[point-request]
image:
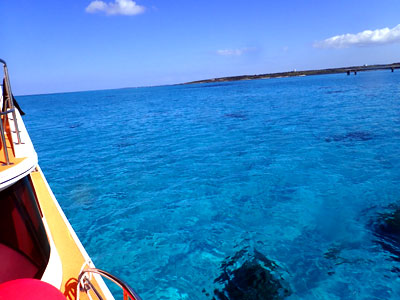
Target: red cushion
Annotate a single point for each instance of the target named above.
(14, 265)
(29, 289)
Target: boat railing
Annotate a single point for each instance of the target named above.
(7, 107)
(85, 285)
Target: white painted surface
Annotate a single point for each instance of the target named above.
(25, 149)
(53, 272)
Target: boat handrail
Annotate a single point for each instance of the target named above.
(84, 284)
(8, 108)
(7, 112)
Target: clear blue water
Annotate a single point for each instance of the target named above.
(162, 184)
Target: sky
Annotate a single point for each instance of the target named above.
(61, 46)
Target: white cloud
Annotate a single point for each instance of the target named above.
(233, 52)
(118, 7)
(364, 38)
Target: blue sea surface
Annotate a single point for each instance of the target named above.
(164, 185)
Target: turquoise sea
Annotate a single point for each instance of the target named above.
(284, 188)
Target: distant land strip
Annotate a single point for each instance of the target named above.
(348, 70)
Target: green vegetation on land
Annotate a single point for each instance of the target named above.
(348, 70)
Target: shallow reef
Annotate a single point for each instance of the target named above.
(75, 125)
(386, 227)
(353, 136)
(250, 276)
(335, 92)
(236, 115)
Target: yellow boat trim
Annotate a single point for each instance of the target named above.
(71, 257)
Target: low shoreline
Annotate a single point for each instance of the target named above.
(347, 70)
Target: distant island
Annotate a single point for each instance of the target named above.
(347, 70)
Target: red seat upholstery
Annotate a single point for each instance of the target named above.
(29, 289)
(14, 265)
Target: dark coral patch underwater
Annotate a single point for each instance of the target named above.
(75, 125)
(250, 276)
(352, 136)
(236, 115)
(386, 228)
